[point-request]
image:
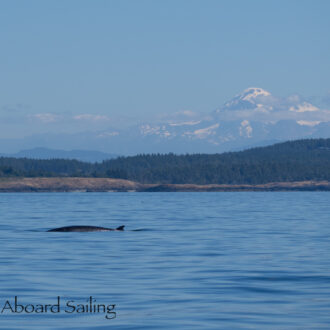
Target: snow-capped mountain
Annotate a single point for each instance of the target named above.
(253, 117)
(259, 100)
(250, 98)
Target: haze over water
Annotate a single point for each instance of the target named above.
(199, 260)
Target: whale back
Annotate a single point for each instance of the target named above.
(84, 229)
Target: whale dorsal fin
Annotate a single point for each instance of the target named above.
(120, 228)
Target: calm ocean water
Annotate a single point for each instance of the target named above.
(186, 260)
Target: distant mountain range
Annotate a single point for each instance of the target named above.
(252, 118)
(45, 153)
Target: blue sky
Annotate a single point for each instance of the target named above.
(141, 58)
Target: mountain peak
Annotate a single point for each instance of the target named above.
(252, 92)
(247, 99)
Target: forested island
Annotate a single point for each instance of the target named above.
(293, 165)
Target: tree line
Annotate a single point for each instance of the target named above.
(289, 161)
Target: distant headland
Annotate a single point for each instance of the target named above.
(293, 165)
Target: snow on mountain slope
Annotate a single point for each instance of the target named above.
(303, 107)
(250, 98)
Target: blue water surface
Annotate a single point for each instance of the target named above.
(197, 260)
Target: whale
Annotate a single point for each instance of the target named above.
(85, 229)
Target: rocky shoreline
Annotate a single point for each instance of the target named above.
(74, 184)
